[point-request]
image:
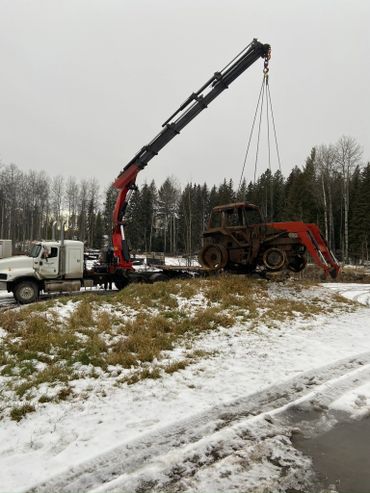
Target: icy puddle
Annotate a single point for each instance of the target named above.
(341, 456)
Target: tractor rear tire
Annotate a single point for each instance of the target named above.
(26, 292)
(213, 257)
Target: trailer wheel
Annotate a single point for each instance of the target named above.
(158, 277)
(213, 257)
(274, 259)
(26, 292)
(121, 282)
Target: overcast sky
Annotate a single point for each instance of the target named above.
(85, 83)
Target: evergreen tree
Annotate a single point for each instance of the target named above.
(98, 238)
(359, 215)
(278, 196)
(140, 219)
(168, 196)
(111, 194)
(226, 194)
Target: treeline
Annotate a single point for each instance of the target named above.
(31, 201)
(332, 189)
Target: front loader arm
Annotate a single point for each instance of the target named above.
(316, 245)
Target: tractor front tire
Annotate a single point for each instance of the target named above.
(297, 263)
(274, 259)
(26, 292)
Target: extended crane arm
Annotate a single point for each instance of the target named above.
(193, 105)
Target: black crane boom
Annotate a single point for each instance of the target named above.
(199, 100)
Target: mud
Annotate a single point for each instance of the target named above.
(341, 456)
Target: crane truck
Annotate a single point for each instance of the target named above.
(237, 238)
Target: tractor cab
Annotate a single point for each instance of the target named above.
(240, 214)
(233, 236)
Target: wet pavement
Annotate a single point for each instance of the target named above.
(341, 456)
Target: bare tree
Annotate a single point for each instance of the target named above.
(56, 198)
(82, 209)
(92, 209)
(325, 161)
(71, 204)
(348, 154)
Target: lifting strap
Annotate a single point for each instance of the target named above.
(264, 94)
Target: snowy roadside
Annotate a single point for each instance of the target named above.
(59, 437)
(352, 291)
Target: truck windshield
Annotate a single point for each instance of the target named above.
(35, 251)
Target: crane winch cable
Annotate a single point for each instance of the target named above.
(251, 134)
(273, 125)
(269, 155)
(264, 91)
(259, 132)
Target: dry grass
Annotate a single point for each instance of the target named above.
(18, 412)
(41, 349)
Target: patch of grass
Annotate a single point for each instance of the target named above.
(188, 289)
(46, 398)
(17, 413)
(145, 373)
(104, 322)
(24, 387)
(279, 310)
(139, 296)
(199, 353)
(345, 301)
(92, 351)
(146, 338)
(64, 393)
(176, 366)
(94, 337)
(9, 370)
(52, 375)
(118, 355)
(210, 318)
(9, 321)
(82, 316)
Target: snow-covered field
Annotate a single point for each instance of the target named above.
(221, 424)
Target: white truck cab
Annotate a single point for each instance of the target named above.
(49, 266)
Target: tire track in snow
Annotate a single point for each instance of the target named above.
(179, 470)
(348, 290)
(131, 458)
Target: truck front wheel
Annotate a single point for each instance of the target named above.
(26, 292)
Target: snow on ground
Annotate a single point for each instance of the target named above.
(59, 438)
(355, 292)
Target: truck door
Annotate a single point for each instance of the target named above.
(49, 263)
